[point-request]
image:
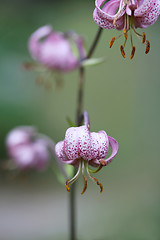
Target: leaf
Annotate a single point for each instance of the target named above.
(93, 61)
(70, 122)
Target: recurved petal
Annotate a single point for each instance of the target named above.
(33, 43)
(105, 13)
(114, 146)
(59, 150)
(147, 13)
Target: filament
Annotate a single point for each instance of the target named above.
(84, 178)
(95, 180)
(69, 182)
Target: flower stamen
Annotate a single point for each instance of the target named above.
(84, 177)
(133, 52)
(85, 184)
(95, 180)
(122, 51)
(143, 37)
(69, 182)
(111, 42)
(147, 47)
(67, 185)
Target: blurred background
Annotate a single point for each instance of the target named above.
(122, 98)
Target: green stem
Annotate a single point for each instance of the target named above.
(79, 122)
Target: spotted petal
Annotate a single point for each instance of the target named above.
(104, 16)
(99, 145)
(114, 147)
(59, 150)
(147, 13)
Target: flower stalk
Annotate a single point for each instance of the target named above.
(78, 122)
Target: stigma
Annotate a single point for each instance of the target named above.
(83, 165)
(129, 28)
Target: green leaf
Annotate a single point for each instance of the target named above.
(93, 61)
(70, 122)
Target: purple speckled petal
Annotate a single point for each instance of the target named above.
(84, 143)
(147, 13)
(33, 43)
(59, 150)
(99, 145)
(114, 146)
(104, 17)
(71, 143)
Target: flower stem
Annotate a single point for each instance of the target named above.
(79, 122)
(94, 44)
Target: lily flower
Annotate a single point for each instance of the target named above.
(55, 50)
(82, 148)
(26, 150)
(127, 15)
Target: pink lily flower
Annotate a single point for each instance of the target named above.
(82, 148)
(55, 50)
(26, 150)
(127, 15)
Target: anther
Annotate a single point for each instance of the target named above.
(143, 37)
(125, 33)
(99, 184)
(133, 52)
(111, 42)
(122, 51)
(85, 184)
(67, 185)
(147, 47)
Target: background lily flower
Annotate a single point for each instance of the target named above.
(127, 15)
(26, 150)
(82, 148)
(55, 50)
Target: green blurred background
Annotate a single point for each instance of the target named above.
(121, 96)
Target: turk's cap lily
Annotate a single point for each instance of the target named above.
(27, 150)
(57, 51)
(127, 15)
(82, 148)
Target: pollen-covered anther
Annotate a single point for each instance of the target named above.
(133, 52)
(99, 184)
(111, 42)
(67, 185)
(122, 51)
(85, 184)
(125, 33)
(143, 37)
(147, 47)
